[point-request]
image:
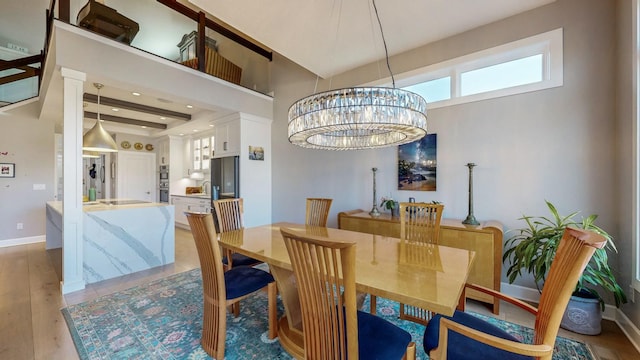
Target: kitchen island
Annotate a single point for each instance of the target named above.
(120, 236)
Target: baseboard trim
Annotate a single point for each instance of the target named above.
(628, 328)
(23, 241)
(532, 295)
(610, 312)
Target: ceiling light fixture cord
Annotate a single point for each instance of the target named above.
(384, 42)
(98, 86)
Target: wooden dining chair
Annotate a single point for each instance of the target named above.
(229, 214)
(332, 327)
(222, 289)
(464, 336)
(419, 225)
(317, 211)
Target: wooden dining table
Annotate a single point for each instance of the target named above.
(428, 276)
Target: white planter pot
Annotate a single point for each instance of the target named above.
(583, 316)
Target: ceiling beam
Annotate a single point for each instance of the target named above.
(27, 73)
(123, 120)
(10, 64)
(121, 104)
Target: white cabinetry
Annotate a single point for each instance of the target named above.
(164, 152)
(240, 131)
(201, 153)
(189, 203)
(227, 138)
(180, 207)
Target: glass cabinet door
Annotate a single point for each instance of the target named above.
(196, 155)
(206, 151)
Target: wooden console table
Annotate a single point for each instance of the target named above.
(485, 239)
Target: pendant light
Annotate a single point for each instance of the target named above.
(358, 117)
(90, 154)
(98, 139)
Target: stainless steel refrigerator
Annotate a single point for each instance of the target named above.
(225, 178)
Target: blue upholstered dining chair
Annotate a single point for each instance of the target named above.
(222, 289)
(465, 336)
(332, 327)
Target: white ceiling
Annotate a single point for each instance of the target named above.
(328, 37)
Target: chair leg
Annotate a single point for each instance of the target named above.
(235, 309)
(373, 301)
(272, 291)
(411, 352)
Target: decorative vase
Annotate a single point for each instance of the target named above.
(395, 210)
(583, 315)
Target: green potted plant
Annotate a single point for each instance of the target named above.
(390, 204)
(533, 248)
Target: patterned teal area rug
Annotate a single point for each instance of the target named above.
(162, 320)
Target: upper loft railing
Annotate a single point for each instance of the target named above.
(165, 28)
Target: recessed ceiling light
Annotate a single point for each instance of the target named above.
(115, 109)
(181, 134)
(135, 93)
(195, 130)
(163, 118)
(211, 125)
(144, 127)
(189, 106)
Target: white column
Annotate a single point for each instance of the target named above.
(72, 244)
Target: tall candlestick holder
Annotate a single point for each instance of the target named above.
(374, 211)
(471, 219)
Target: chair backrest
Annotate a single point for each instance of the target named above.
(574, 252)
(215, 317)
(317, 211)
(329, 331)
(229, 214)
(420, 222)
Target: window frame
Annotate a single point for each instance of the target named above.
(635, 227)
(549, 44)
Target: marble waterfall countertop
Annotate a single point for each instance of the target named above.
(197, 196)
(121, 236)
(108, 204)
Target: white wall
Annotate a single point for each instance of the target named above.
(29, 143)
(624, 154)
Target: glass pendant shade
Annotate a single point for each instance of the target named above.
(97, 138)
(358, 118)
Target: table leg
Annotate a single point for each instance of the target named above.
(290, 325)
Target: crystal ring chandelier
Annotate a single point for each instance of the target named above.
(358, 117)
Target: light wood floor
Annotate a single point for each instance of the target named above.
(32, 326)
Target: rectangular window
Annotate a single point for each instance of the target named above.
(433, 90)
(530, 64)
(508, 74)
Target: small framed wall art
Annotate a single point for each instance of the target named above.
(7, 170)
(417, 164)
(256, 153)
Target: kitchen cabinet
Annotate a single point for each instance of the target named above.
(189, 203)
(164, 152)
(187, 158)
(227, 138)
(201, 153)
